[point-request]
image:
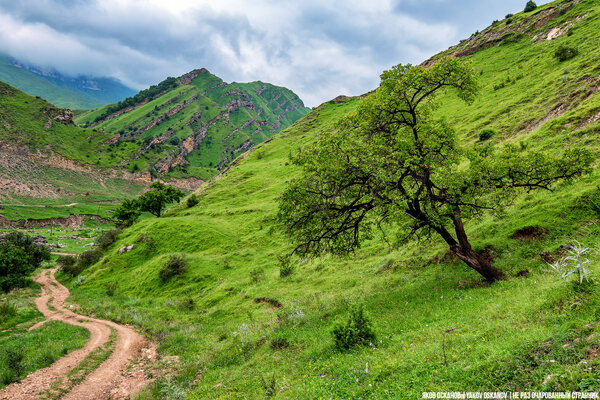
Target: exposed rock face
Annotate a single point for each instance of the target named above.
(72, 221)
(186, 79)
(65, 116)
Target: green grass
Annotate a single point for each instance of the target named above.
(535, 332)
(24, 352)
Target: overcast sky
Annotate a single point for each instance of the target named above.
(317, 48)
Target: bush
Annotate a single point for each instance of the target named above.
(257, 275)
(19, 257)
(89, 258)
(107, 238)
(175, 266)
(486, 134)
(564, 53)
(111, 288)
(66, 262)
(192, 201)
(7, 309)
(356, 331)
(530, 6)
(285, 266)
(14, 365)
(279, 342)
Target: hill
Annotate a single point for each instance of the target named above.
(45, 160)
(240, 330)
(194, 126)
(77, 93)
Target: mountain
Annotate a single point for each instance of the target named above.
(240, 330)
(45, 159)
(77, 93)
(194, 126)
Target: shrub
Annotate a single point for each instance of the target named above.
(285, 266)
(357, 330)
(88, 258)
(149, 245)
(257, 275)
(509, 16)
(192, 201)
(564, 53)
(111, 288)
(66, 262)
(7, 309)
(486, 134)
(14, 365)
(19, 257)
(279, 342)
(175, 266)
(107, 238)
(530, 6)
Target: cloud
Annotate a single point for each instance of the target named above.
(317, 48)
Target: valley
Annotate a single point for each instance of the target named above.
(215, 285)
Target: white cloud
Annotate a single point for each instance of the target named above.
(317, 48)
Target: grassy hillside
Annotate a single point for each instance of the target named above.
(194, 126)
(46, 160)
(81, 93)
(242, 331)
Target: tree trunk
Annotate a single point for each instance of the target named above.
(475, 261)
(465, 252)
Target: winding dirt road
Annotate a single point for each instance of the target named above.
(115, 378)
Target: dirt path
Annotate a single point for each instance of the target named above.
(113, 379)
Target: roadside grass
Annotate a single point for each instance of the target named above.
(24, 352)
(17, 309)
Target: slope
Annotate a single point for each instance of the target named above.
(242, 331)
(193, 127)
(45, 160)
(78, 93)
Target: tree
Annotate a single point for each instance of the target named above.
(128, 212)
(19, 257)
(393, 162)
(156, 200)
(530, 6)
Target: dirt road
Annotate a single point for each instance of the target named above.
(115, 378)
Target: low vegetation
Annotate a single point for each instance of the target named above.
(19, 257)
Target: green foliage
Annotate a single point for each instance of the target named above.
(13, 358)
(394, 163)
(157, 199)
(530, 6)
(128, 212)
(564, 53)
(486, 134)
(176, 265)
(286, 268)
(110, 288)
(107, 238)
(192, 201)
(66, 261)
(88, 258)
(356, 330)
(19, 257)
(7, 309)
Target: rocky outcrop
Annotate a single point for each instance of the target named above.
(64, 116)
(72, 221)
(186, 79)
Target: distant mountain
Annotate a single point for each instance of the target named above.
(193, 126)
(77, 93)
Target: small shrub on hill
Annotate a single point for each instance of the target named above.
(286, 268)
(486, 134)
(107, 238)
(110, 288)
(357, 330)
(530, 6)
(66, 262)
(88, 258)
(257, 275)
(564, 53)
(175, 266)
(192, 201)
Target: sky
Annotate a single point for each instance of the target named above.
(317, 48)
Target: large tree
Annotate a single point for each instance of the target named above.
(156, 200)
(393, 161)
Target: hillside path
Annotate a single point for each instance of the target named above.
(113, 379)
